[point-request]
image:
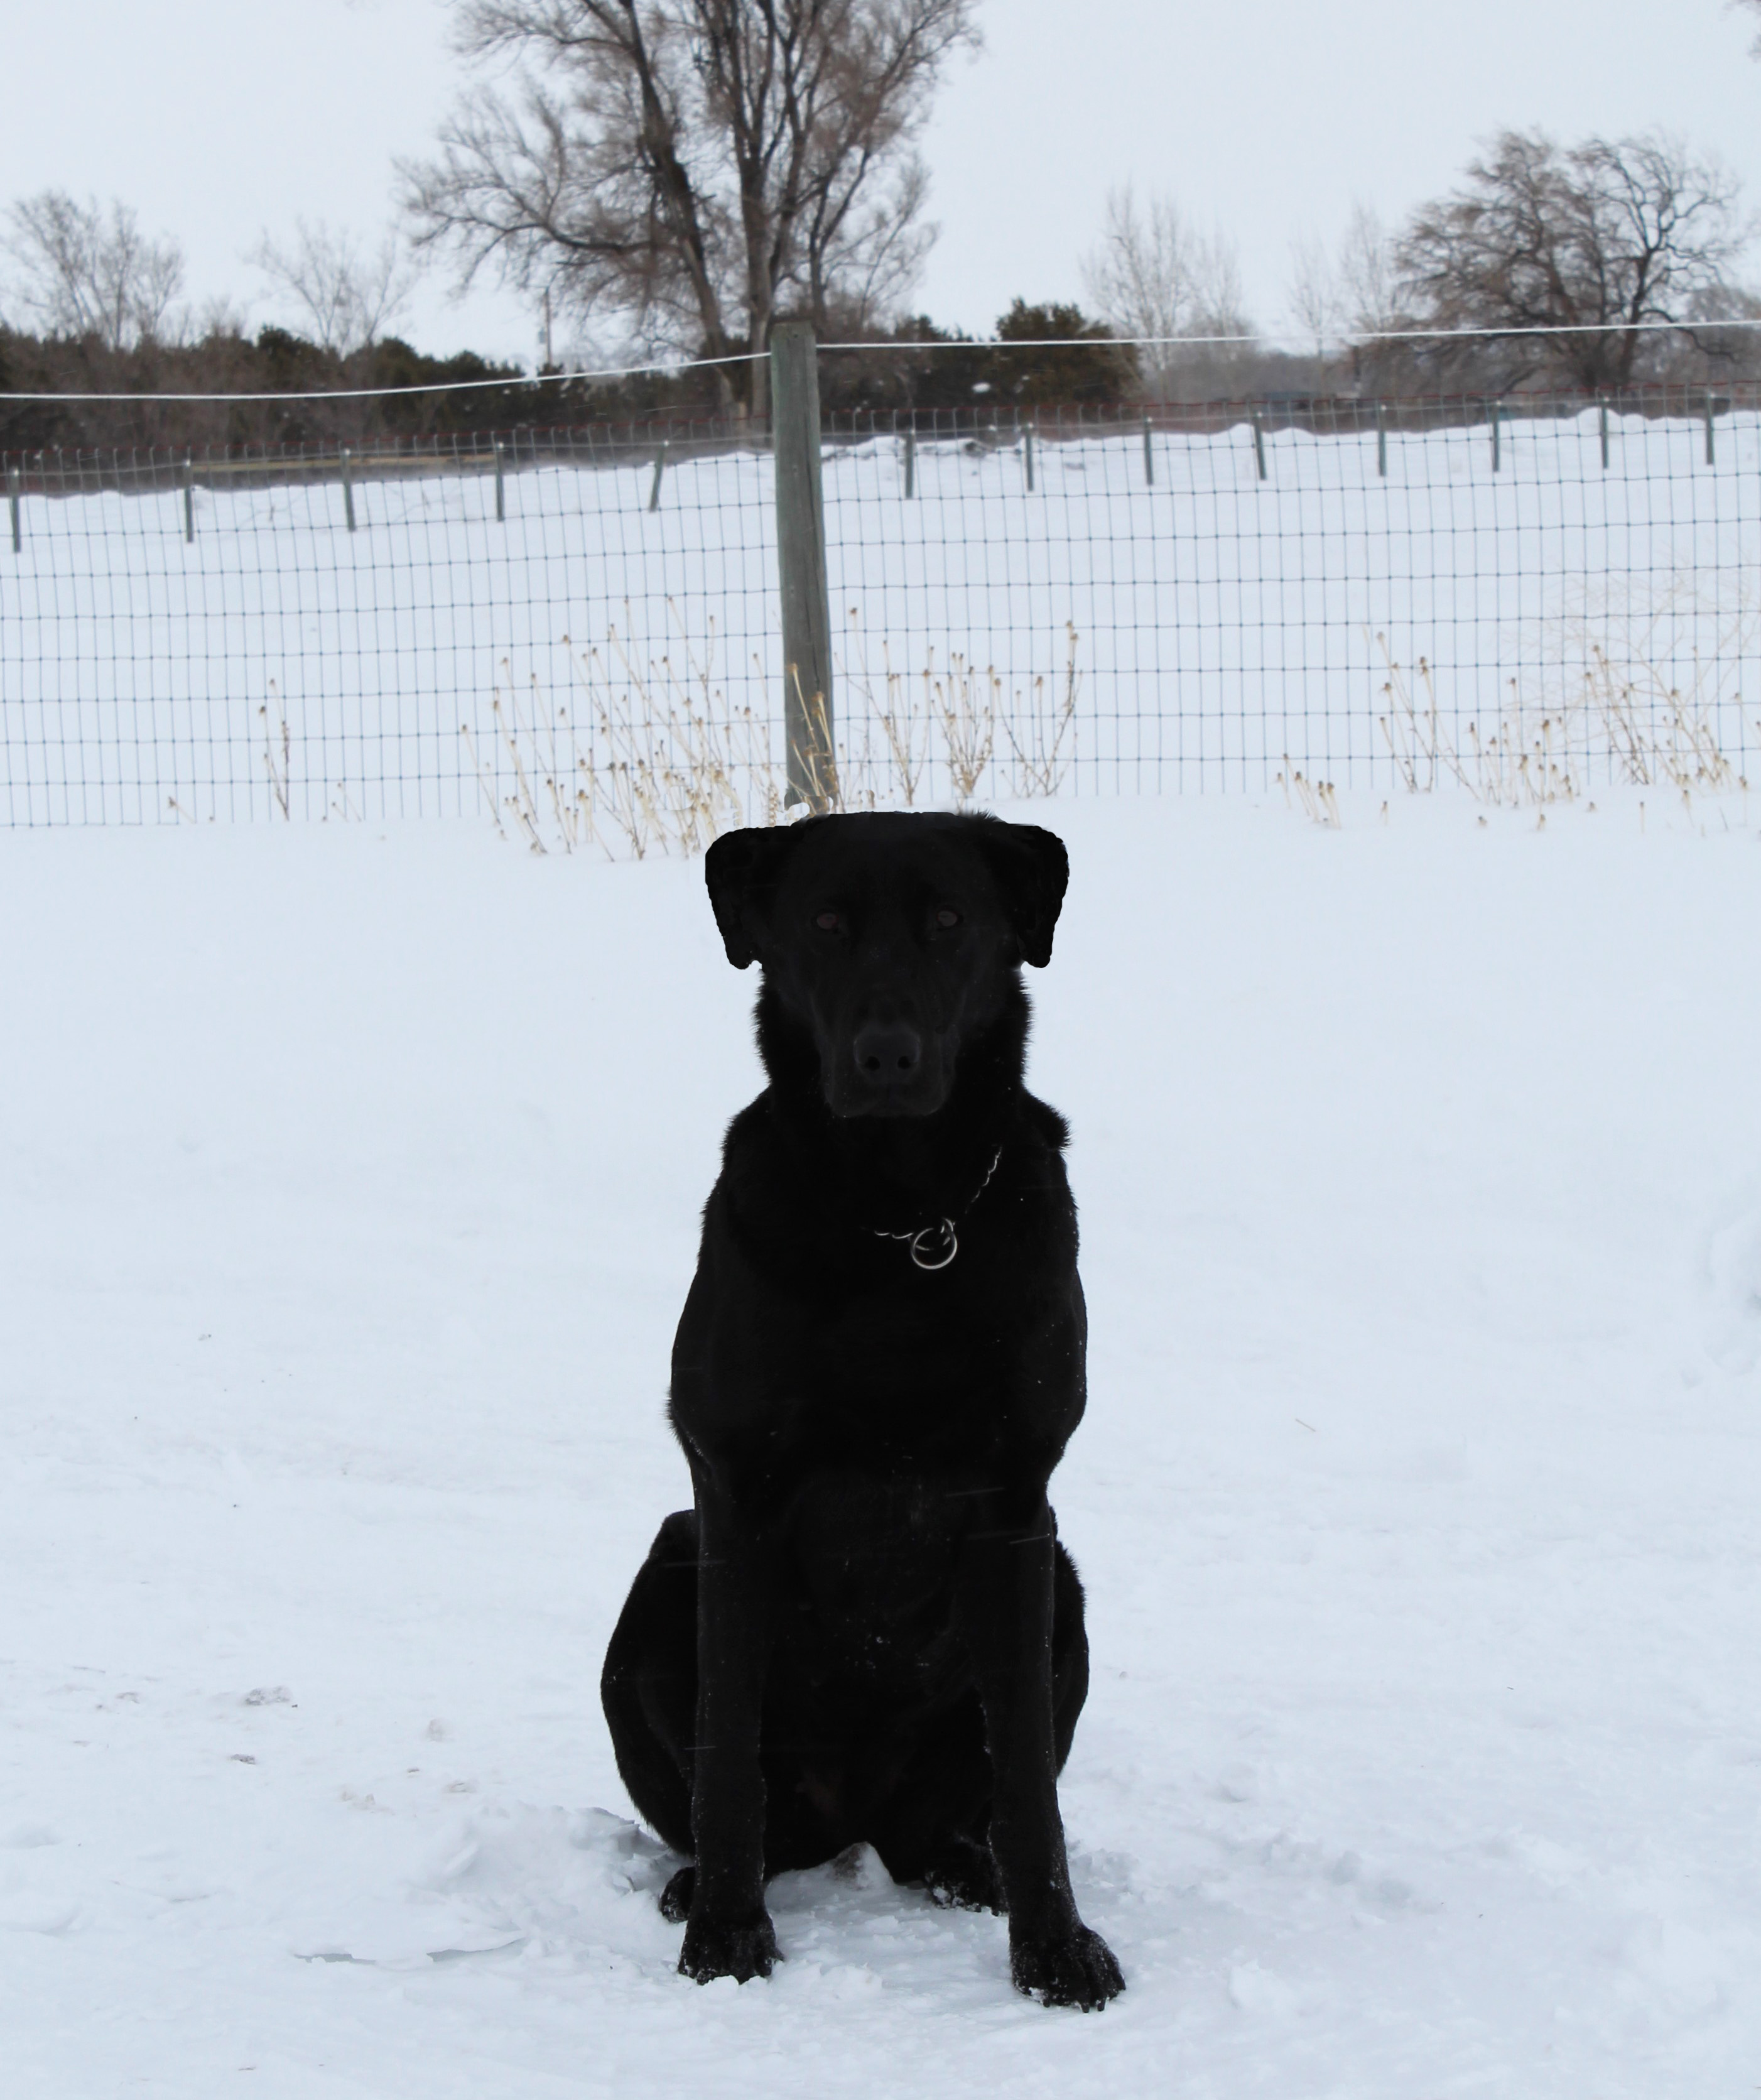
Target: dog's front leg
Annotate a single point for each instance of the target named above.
(729, 1932)
(1004, 1599)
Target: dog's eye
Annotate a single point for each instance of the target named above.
(827, 922)
(947, 916)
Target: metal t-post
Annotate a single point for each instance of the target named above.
(806, 706)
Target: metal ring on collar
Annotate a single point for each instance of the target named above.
(942, 1231)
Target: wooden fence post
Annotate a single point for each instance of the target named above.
(806, 706)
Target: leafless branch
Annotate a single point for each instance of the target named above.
(1156, 279)
(79, 269)
(687, 171)
(1605, 235)
(345, 297)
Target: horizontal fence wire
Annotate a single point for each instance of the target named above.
(1191, 597)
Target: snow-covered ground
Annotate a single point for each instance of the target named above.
(348, 1195)
(1226, 627)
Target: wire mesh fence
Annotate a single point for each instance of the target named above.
(579, 632)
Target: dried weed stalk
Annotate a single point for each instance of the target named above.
(1523, 762)
(1658, 734)
(654, 761)
(816, 760)
(278, 751)
(1319, 802)
(1036, 736)
(1627, 719)
(897, 747)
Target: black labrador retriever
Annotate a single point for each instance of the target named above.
(866, 1629)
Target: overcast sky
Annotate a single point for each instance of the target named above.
(216, 120)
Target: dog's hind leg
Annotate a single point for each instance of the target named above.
(649, 1685)
(935, 1832)
(930, 1831)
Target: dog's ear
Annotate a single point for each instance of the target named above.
(741, 870)
(1031, 870)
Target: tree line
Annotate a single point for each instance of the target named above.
(671, 178)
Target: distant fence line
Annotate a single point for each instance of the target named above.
(581, 629)
(71, 470)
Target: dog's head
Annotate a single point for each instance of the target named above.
(894, 941)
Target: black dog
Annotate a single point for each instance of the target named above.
(867, 1629)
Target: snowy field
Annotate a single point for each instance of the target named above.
(1226, 627)
(348, 1196)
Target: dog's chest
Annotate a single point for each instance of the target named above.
(896, 1386)
(873, 1554)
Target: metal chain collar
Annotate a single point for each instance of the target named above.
(927, 1242)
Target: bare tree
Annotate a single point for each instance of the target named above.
(689, 170)
(1603, 236)
(345, 297)
(80, 271)
(1347, 298)
(1366, 287)
(1141, 275)
(1220, 306)
(1157, 281)
(1313, 294)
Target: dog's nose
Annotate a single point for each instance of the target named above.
(888, 1051)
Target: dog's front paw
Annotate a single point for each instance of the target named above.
(741, 1951)
(1078, 1970)
(676, 1898)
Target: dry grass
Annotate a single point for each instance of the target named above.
(1524, 760)
(1622, 633)
(645, 762)
(1316, 799)
(278, 751)
(959, 726)
(278, 763)
(1658, 734)
(1607, 702)
(652, 759)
